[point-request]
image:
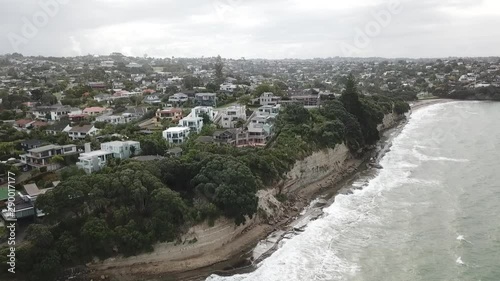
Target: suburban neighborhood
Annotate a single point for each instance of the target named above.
(87, 115)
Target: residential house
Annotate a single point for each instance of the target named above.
(206, 99)
(230, 137)
(97, 85)
(228, 87)
(53, 113)
(307, 100)
(199, 111)
(153, 99)
(103, 97)
(174, 152)
(122, 94)
(178, 98)
(107, 64)
(30, 144)
(176, 135)
(133, 114)
(194, 123)
(269, 98)
(118, 85)
(60, 127)
(269, 110)
(24, 123)
(122, 149)
(39, 124)
(133, 65)
(23, 208)
(77, 117)
(94, 111)
(93, 161)
(80, 132)
(172, 114)
(41, 157)
(231, 115)
(259, 130)
(33, 191)
(111, 119)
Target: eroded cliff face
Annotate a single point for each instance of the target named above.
(389, 121)
(307, 177)
(315, 167)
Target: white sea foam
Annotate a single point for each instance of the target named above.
(423, 157)
(461, 238)
(459, 261)
(316, 254)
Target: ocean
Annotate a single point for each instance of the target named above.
(432, 212)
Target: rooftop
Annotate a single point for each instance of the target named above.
(82, 129)
(206, 94)
(177, 129)
(58, 126)
(44, 148)
(191, 118)
(32, 189)
(95, 153)
(94, 109)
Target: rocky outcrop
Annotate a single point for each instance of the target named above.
(389, 121)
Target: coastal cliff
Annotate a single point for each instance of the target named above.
(205, 245)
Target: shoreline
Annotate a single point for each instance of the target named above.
(234, 257)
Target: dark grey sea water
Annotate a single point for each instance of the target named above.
(432, 213)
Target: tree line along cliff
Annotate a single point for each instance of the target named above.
(129, 206)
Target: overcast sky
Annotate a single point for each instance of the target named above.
(252, 28)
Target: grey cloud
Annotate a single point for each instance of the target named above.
(252, 28)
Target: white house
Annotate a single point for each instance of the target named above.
(228, 87)
(54, 113)
(469, 77)
(200, 110)
(176, 135)
(103, 97)
(111, 119)
(178, 98)
(269, 110)
(193, 123)
(133, 65)
(122, 149)
(80, 132)
(231, 115)
(269, 98)
(107, 64)
(93, 161)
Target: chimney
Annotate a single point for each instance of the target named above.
(87, 147)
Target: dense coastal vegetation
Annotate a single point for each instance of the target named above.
(129, 206)
(481, 93)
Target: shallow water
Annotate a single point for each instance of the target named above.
(432, 213)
